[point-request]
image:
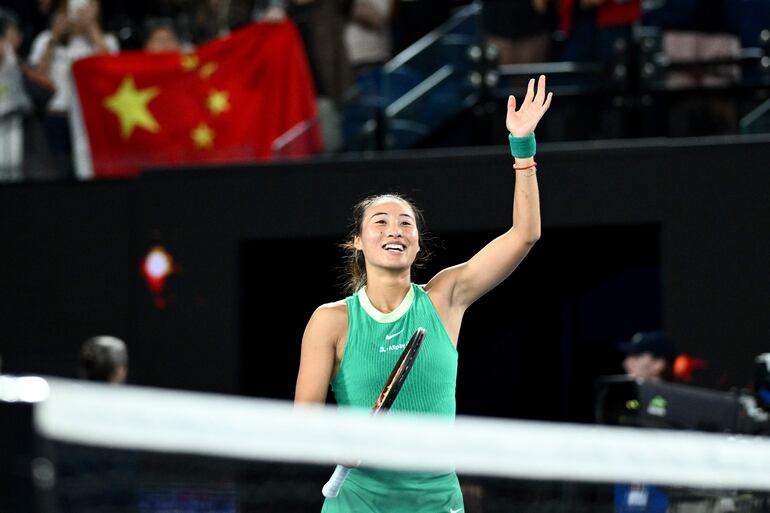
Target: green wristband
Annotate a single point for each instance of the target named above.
(523, 147)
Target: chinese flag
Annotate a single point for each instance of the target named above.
(246, 97)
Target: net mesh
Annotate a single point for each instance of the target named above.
(106, 448)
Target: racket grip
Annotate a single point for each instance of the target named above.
(332, 487)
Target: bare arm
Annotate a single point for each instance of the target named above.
(90, 13)
(318, 357)
(59, 28)
(467, 282)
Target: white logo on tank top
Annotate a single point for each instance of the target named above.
(392, 347)
(393, 335)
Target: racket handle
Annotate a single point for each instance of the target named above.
(332, 487)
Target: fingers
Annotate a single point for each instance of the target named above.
(511, 103)
(547, 102)
(540, 96)
(530, 91)
(534, 105)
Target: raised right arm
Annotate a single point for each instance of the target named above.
(325, 330)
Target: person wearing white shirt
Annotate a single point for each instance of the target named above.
(74, 34)
(14, 102)
(367, 34)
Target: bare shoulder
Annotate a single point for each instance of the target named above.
(329, 320)
(333, 310)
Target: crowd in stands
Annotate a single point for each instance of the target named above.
(40, 39)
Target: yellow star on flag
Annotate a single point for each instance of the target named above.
(130, 105)
(218, 102)
(208, 69)
(190, 61)
(203, 136)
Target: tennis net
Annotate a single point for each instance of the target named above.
(94, 448)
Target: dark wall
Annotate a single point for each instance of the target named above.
(69, 264)
(531, 348)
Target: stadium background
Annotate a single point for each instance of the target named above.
(637, 235)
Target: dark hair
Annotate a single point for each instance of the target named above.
(101, 356)
(8, 18)
(355, 263)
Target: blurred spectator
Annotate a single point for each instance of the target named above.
(104, 358)
(243, 12)
(700, 31)
(519, 29)
(75, 33)
(210, 20)
(369, 46)
(592, 27)
(649, 355)
(367, 34)
(321, 24)
(14, 103)
(33, 18)
(160, 36)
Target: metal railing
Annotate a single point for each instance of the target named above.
(450, 69)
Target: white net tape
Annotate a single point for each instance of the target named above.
(214, 425)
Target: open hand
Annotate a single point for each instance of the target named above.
(89, 14)
(521, 123)
(60, 26)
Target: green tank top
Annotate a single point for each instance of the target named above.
(374, 343)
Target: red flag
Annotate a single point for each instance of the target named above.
(248, 96)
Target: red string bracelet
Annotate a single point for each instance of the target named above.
(534, 164)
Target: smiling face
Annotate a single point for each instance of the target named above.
(389, 236)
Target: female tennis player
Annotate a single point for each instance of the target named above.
(353, 344)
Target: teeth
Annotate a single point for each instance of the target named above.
(394, 246)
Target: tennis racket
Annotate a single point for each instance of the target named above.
(389, 393)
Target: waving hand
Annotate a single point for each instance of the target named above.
(521, 123)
